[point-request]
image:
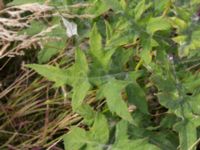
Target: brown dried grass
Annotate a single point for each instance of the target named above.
(33, 114)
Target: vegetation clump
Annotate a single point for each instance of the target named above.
(100, 74)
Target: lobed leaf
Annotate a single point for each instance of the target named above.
(112, 91)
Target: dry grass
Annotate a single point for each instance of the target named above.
(33, 114)
(14, 19)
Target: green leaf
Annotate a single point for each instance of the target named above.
(81, 84)
(109, 31)
(121, 131)
(180, 39)
(80, 90)
(165, 139)
(46, 54)
(114, 4)
(137, 96)
(50, 49)
(35, 28)
(81, 64)
(56, 39)
(195, 104)
(178, 23)
(195, 39)
(191, 44)
(164, 83)
(160, 6)
(168, 121)
(123, 4)
(183, 13)
(100, 56)
(87, 113)
(100, 131)
(187, 134)
(112, 91)
(96, 43)
(123, 142)
(120, 59)
(140, 8)
(75, 139)
(139, 144)
(95, 138)
(55, 44)
(195, 2)
(157, 24)
(146, 51)
(192, 82)
(123, 134)
(99, 7)
(52, 73)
